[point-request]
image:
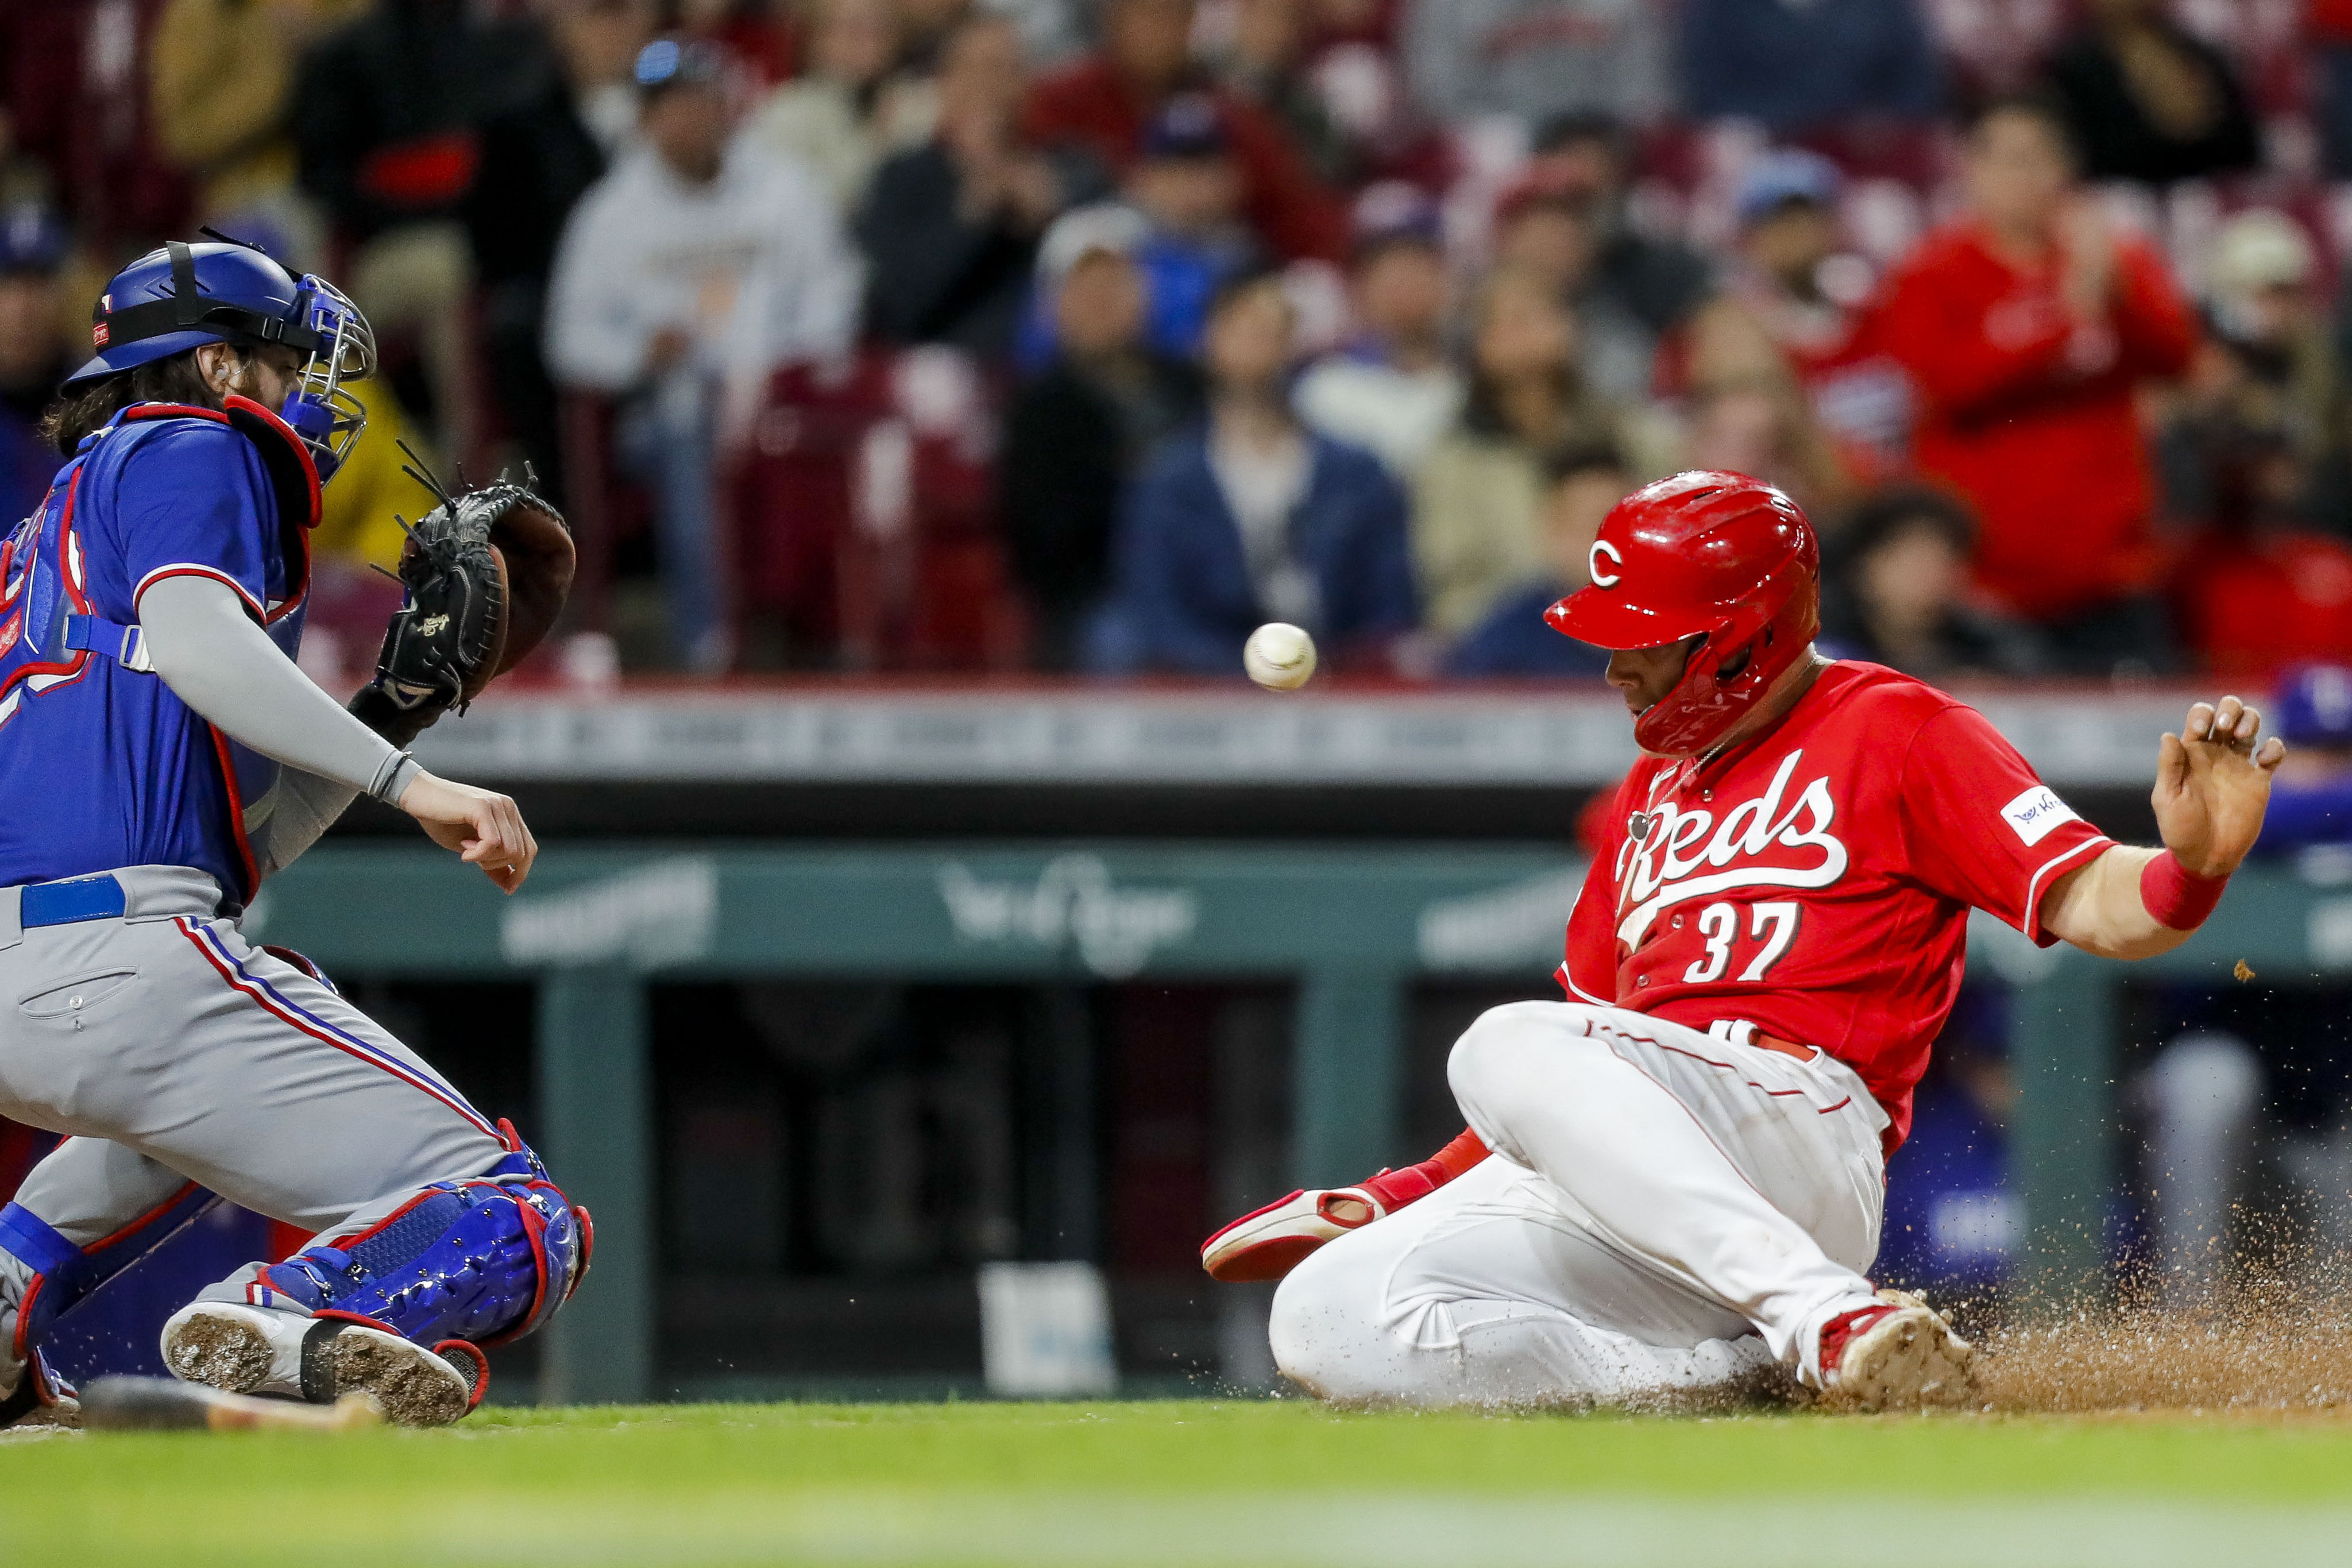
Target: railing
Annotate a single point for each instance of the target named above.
(1353, 927)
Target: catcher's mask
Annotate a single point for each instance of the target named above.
(227, 291)
(1721, 558)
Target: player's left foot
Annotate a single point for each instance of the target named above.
(252, 1349)
(1269, 1243)
(1900, 1354)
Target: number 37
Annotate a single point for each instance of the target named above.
(1774, 924)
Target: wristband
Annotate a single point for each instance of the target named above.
(2175, 897)
(399, 770)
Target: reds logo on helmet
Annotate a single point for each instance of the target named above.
(1720, 557)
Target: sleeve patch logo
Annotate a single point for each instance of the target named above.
(2036, 814)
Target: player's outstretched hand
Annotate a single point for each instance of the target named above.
(484, 828)
(2212, 784)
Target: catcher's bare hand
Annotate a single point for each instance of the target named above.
(484, 828)
(2212, 785)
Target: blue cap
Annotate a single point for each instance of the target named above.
(1777, 178)
(1189, 125)
(33, 239)
(2314, 706)
(673, 62)
(1393, 212)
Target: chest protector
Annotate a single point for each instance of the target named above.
(50, 628)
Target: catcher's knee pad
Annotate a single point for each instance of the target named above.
(485, 1260)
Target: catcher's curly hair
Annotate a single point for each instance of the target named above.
(83, 410)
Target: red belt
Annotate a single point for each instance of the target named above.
(1786, 1047)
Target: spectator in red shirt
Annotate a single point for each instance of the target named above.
(2256, 591)
(2026, 325)
(1104, 102)
(1792, 311)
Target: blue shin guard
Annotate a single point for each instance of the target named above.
(63, 1274)
(486, 1261)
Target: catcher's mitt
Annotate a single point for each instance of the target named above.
(486, 573)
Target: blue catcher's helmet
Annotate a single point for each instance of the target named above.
(172, 300)
(2313, 706)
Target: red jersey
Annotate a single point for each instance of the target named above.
(1815, 881)
(2032, 419)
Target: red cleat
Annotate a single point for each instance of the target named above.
(1269, 1243)
(1898, 1355)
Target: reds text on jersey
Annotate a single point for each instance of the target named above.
(1815, 881)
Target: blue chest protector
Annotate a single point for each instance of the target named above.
(124, 773)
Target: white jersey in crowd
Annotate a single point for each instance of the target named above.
(1396, 415)
(754, 266)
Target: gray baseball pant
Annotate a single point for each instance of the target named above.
(171, 1051)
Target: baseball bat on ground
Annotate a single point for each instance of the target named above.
(166, 1404)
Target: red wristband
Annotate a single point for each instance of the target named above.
(2175, 897)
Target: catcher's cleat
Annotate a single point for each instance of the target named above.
(40, 1398)
(1900, 1354)
(252, 1349)
(1269, 1243)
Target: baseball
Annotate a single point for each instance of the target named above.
(1279, 657)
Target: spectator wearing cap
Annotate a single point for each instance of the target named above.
(1814, 66)
(1532, 59)
(1477, 497)
(2150, 100)
(1077, 432)
(541, 154)
(2267, 371)
(849, 110)
(1107, 102)
(950, 228)
(687, 276)
(1587, 157)
(1778, 326)
(34, 354)
(1188, 183)
(1581, 485)
(1552, 232)
(1392, 389)
(1897, 594)
(1253, 519)
(2028, 325)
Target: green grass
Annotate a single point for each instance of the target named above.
(1185, 1482)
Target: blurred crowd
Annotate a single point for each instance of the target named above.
(1089, 334)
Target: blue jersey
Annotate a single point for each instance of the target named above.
(102, 765)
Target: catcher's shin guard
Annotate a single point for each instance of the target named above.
(485, 1260)
(62, 1274)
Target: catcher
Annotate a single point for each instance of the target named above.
(165, 756)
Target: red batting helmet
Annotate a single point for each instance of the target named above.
(1718, 556)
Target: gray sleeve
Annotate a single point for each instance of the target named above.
(289, 819)
(208, 651)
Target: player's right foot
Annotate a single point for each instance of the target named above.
(252, 1350)
(1900, 1354)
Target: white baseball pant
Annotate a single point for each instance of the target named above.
(1658, 1199)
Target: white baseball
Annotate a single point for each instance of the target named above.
(1279, 657)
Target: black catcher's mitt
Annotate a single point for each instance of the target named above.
(487, 572)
